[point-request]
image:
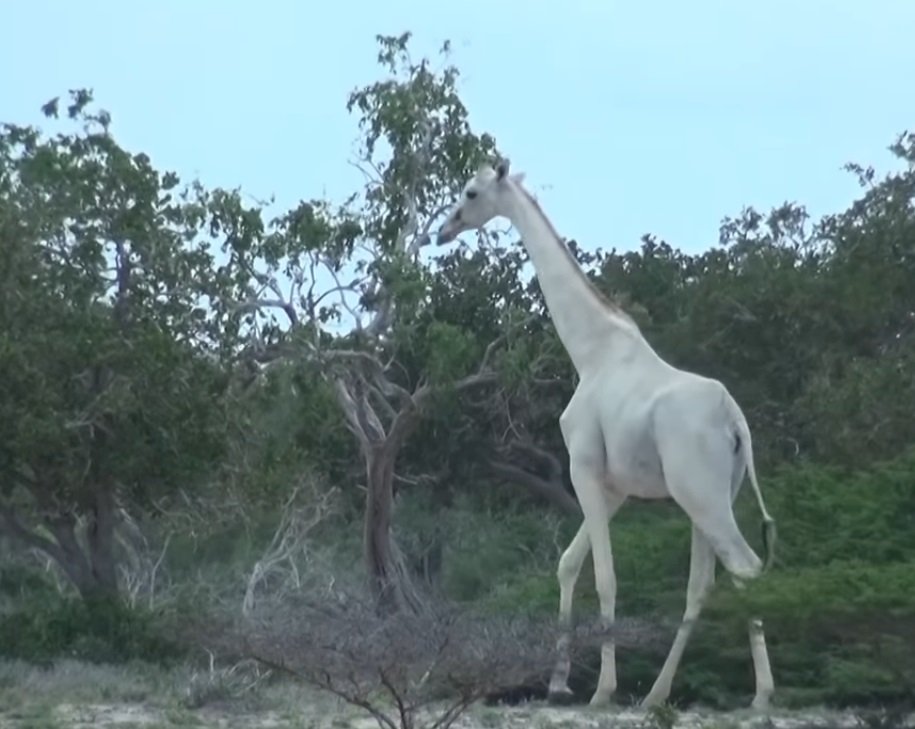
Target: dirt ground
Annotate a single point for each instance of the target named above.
(73, 695)
(122, 716)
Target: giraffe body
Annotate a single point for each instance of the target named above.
(635, 427)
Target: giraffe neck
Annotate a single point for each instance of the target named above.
(584, 320)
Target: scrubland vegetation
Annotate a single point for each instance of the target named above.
(242, 453)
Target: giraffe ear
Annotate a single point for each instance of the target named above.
(502, 168)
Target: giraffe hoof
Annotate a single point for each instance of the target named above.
(600, 699)
(560, 696)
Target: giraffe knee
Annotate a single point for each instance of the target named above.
(568, 568)
(572, 559)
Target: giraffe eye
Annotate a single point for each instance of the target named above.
(471, 194)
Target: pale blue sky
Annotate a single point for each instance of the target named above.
(628, 117)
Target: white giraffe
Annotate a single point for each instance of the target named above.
(635, 426)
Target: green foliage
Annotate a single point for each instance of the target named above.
(494, 557)
(110, 381)
(450, 351)
(663, 716)
(293, 429)
(98, 631)
(837, 606)
(827, 514)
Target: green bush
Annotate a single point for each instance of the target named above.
(489, 553)
(837, 607)
(98, 631)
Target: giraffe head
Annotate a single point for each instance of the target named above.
(481, 201)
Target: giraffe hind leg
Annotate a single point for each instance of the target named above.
(701, 580)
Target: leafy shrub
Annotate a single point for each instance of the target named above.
(837, 607)
(98, 631)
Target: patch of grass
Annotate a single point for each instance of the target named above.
(181, 716)
(32, 713)
(662, 716)
(47, 695)
(239, 684)
(44, 722)
(489, 717)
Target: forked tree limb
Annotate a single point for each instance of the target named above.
(552, 490)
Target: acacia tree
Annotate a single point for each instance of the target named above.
(361, 266)
(110, 374)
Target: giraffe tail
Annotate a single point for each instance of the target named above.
(769, 532)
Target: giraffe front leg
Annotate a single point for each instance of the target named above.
(567, 573)
(598, 506)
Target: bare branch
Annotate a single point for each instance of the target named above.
(256, 304)
(551, 490)
(380, 399)
(12, 526)
(350, 414)
(354, 354)
(289, 540)
(382, 319)
(341, 289)
(360, 417)
(549, 459)
(495, 343)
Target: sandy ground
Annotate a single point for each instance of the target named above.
(541, 717)
(123, 715)
(73, 695)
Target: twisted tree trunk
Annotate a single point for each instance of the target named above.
(92, 570)
(389, 579)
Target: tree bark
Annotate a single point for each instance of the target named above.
(100, 540)
(69, 555)
(92, 572)
(388, 577)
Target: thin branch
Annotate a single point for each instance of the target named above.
(381, 321)
(350, 414)
(257, 304)
(327, 683)
(13, 527)
(403, 710)
(380, 400)
(551, 490)
(552, 462)
(495, 343)
(341, 288)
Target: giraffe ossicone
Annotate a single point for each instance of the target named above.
(635, 427)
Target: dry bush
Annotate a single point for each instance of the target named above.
(405, 669)
(291, 548)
